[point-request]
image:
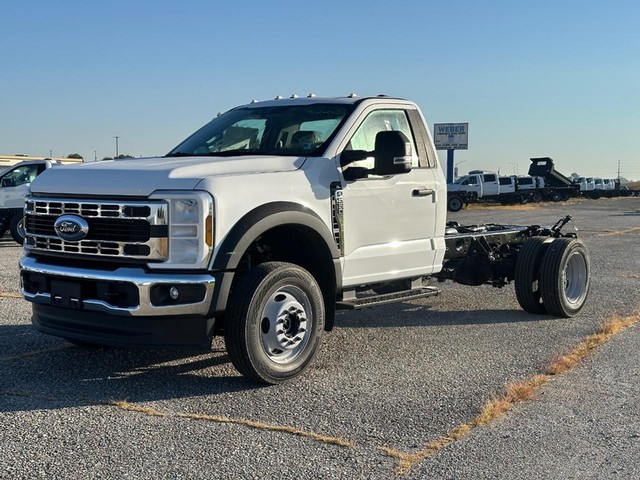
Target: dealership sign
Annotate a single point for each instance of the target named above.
(451, 136)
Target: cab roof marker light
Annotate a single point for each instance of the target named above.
(254, 101)
(294, 96)
(311, 95)
(279, 97)
(352, 95)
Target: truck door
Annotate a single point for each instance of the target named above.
(14, 184)
(390, 224)
(490, 184)
(472, 184)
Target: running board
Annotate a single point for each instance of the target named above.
(395, 297)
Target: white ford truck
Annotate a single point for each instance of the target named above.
(261, 225)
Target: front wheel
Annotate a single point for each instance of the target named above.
(454, 203)
(274, 323)
(564, 277)
(16, 227)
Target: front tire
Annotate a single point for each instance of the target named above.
(455, 204)
(564, 277)
(16, 227)
(274, 324)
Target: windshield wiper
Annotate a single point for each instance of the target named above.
(232, 153)
(226, 153)
(179, 154)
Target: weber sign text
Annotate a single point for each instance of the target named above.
(451, 136)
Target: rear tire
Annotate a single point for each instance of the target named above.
(564, 277)
(275, 321)
(537, 197)
(527, 281)
(17, 228)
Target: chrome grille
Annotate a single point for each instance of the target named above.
(116, 229)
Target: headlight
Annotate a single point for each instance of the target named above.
(190, 229)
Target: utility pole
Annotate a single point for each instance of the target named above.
(95, 155)
(618, 170)
(117, 153)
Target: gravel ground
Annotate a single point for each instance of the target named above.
(398, 376)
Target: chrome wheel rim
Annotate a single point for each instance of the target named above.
(286, 324)
(575, 278)
(20, 227)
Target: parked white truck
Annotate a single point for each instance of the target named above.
(485, 186)
(263, 223)
(14, 187)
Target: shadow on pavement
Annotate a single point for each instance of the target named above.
(408, 315)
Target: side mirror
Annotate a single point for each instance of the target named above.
(392, 154)
(355, 173)
(350, 156)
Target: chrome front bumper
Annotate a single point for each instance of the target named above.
(141, 279)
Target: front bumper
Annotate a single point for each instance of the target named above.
(138, 279)
(102, 317)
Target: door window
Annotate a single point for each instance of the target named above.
(381, 121)
(19, 176)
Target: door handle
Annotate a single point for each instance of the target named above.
(422, 192)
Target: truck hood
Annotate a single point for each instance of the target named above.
(142, 176)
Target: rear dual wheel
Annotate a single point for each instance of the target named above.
(552, 276)
(564, 277)
(527, 278)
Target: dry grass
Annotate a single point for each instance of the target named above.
(10, 295)
(494, 206)
(131, 407)
(124, 405)
(630, 275)
(516, 392)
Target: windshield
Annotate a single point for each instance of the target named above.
(290, 130)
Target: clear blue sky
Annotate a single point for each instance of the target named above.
(544, 78)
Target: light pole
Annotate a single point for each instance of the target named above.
(516, 167)
(455, 170)
(117, 153)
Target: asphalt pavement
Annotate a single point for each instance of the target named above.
(396, 376)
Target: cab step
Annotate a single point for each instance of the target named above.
(395, 297)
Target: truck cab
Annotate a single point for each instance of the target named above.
(483, 184)
(598, 184)
(585, 184)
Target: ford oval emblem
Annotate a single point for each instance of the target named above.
(71, 227)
